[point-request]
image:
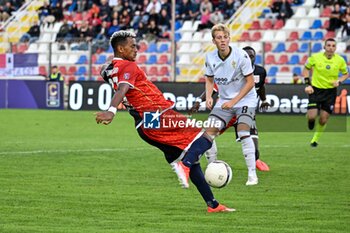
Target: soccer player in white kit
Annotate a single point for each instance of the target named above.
(231, 69)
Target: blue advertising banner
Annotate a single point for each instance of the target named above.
(19, 64)
(31, 94)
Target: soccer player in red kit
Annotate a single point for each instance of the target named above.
(150, 110)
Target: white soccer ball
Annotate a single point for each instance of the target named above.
(218, 174)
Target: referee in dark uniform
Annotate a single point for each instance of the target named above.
(322, 87)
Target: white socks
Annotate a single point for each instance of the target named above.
(248, 150)
(212, 153)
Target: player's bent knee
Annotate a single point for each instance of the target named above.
(243, 134)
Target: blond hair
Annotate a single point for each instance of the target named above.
(219, 27)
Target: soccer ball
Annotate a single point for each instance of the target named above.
(218, 174)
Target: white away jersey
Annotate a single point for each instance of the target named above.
(229, 75)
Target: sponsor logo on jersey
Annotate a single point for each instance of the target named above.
(126, 76)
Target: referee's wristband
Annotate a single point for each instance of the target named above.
(112, 110)
(307, 80)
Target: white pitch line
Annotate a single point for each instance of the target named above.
(71, 151)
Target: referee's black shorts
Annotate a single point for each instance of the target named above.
(323, 99)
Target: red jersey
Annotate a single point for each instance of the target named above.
(143, 95)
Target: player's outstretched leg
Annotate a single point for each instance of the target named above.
(181, 172)
(212, 153)
(197, 178)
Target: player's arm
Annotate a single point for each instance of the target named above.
(306, 74)
(209, 87)
(106, 117)
(243, 92)
(340, 80)
(344, 71)
(262, 91)
(199, 100)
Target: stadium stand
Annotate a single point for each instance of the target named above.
(282, 45)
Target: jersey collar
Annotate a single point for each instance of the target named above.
(226, 56)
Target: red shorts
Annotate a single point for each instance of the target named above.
(173, 130)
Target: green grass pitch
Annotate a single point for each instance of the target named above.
(61, 172)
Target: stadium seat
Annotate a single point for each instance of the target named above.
(303, 60)
(184, 60)
(317, 47)
(329, 34)
(152, 48)
(141, 59)
(291, 24)
(268, 36)
(197, 36)
(278, 24)
(270, 59)
(281, 47)
(152, 59)
(281, 36)
(294, 60)
(82, 78)
(110, 49)
(163, 59)
(318, 35)
(82, 60)
(177, 36)
(267, 47)
(303, 48)
(293, 47)
(63, 70)
(325, 24)
(42, 70)
(285, 69)
(255, 25)
(153, 71)
(95, 70)
(314, 13)
(266, 25)
(317, 24)
(186, 37)
(164, 47)
(256, 36)
(341, 47)
(283, 59)
(326, 13)
(81, 71)
(178, 25)
(297, 70)
(293, 36)
(184, 48)
(101, 59)
(142, 46)
(245, 37)
(195, 48)
(258, 59)
(303, 24)
(73, 58)
(164, 71)
(187, 26)
(300, 12)
(72, 70)
(306, 35)
(272, 71)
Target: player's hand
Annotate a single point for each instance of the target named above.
(264, 105)
(336, 83)
(194, 108)
(228, 105)
(209, 103)
(309, 90)
(105, 117)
